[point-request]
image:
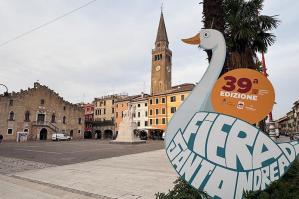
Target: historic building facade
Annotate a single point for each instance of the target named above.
(157, 115)
(162, 106)
(104, 107)
(290, 122)
(140, 115)
(104, 116)
(39, 112)
(88, 113)
(122, 105)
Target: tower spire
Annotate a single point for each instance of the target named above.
(161, 60)
(162, 33)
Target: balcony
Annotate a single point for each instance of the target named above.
(46, 124)
(103, 123)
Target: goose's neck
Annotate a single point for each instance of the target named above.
(199, 100)
(216, 64)
(204, 88)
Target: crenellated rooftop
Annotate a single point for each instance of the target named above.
(36, 87)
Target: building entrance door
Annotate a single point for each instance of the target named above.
(108, 134)
(43, 134)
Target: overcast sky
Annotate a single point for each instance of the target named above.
(105, 48)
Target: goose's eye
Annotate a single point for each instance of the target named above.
(206, 35)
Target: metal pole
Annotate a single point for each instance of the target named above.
(266, 75)
(272, 128)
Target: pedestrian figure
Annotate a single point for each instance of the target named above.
(1, 138)
(291, 135)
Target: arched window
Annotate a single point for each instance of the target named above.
(27, 116)
(11, 116)
(53, 118)
(64, 120)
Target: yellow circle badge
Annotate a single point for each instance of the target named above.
(245, 94)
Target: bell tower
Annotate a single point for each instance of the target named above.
(161, 61)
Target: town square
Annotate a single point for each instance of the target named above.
(149, 99)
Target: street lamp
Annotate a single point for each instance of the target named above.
(6, 92)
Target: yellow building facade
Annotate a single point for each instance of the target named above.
(162, 106)
(104, 107)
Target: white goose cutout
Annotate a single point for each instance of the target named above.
(217, 153)
(199, 98)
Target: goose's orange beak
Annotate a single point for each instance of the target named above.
(193, 40)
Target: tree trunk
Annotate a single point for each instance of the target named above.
(242, 60)
(213, 17)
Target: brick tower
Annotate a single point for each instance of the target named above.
(161, 61)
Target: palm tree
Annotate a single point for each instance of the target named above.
(247, 32)
(213, 17)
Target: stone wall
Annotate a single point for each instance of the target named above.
(42, 104)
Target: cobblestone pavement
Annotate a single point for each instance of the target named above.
(13, 165)
(70, 152)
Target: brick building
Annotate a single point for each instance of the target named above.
(161, 61)
(40, 112)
